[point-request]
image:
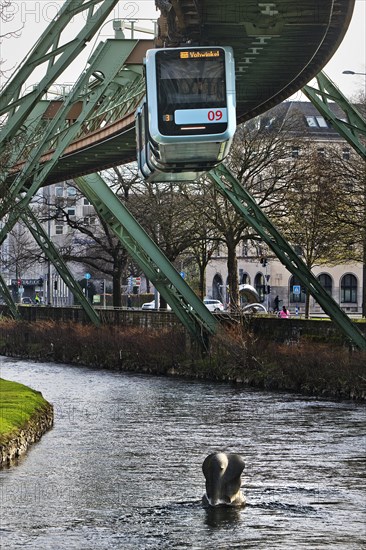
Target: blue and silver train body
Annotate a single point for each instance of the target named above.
(187, 120)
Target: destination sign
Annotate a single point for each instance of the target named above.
(194, 54)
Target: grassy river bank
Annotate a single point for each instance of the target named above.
(24, 417)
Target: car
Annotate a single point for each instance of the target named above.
(151, 305)
(214, 306)
(27, 301)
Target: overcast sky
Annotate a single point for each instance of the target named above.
(34, 15)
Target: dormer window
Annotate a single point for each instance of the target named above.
(316, 122)
(322, 122)
(311, 121)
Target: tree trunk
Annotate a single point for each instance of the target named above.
(307, 305)
(201, 283)
(233, 277)
(117, 278)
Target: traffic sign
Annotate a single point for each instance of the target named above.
(296, 289)
(87, 276)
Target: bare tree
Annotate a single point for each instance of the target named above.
(256, 159)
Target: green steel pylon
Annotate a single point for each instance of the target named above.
(353, 128)
(186, 305)
(53, 255)
(8, 298)
(245, 205)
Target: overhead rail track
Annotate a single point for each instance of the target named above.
(278, 47)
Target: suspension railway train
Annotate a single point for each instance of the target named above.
(187, 119)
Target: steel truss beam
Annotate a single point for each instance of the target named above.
(8, 298)
(245, 205)
(354, 127)
(186, 305)
(108, 59)
(57, 56)
(52, 254)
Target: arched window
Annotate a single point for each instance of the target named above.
(326, 281)
(217, 288)
(245, 279)
(259, 286)
(349, 289)
(297, 291)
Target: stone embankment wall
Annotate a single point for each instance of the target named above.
(32, 431)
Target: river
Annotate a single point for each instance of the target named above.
(121, 469)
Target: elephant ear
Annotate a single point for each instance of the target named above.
(206, 464)
(233, 472)
(235, 467)
(213, 464)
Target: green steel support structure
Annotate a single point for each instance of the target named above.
(108, 59)
(55, 58)
(25, 113)
(8, 299)
(52, 254)
(245, 205)
(186, 305)
(353, 128)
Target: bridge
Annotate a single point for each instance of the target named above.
(278, 48)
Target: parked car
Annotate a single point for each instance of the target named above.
(214, 305)
(26, 301)
(151, 305)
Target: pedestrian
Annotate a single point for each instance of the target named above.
(129, 302)
(37, 299)
(276, 302)
(284, 313)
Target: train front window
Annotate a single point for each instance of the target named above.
(191, 91)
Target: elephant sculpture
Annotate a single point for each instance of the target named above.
(223, 479)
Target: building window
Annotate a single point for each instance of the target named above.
(59, 229)
(326, 281)
(321, 121)
(71, 191)
(59, 191)
(71, 211)
(295, 152)
(321, 151)
(259, 286)
(86, 202)
(311, 121)
(245, 279)
(297, 291)
(316, 122)
(349, 289)
(346, 154)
